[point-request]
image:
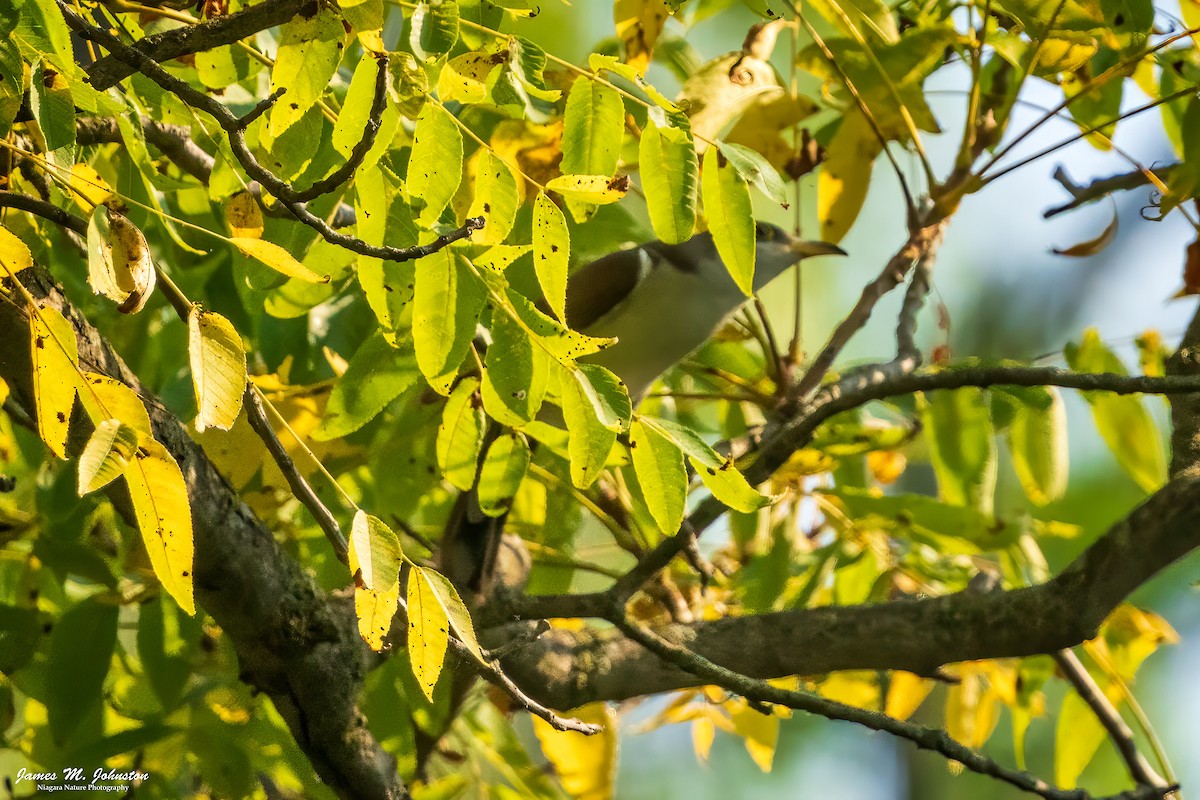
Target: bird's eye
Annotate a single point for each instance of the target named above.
(765, 232)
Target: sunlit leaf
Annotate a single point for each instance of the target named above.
(55, 356)
(756, 170)
(551, 253)
(661, 475)
(455, 610)
(595, 407)
(375, 611)
(107, 453)
(460, 435)
(586, 765)
(730, 217)
(500, 475)
(278, 259)
(107, 398)
(374, 553)
(669, 171)
(843, 179)
(638, 24)
(310, 49)
(54, 109)
(496, 198)
(435, 164)
(759, 731)
(160, 503)
(428, 630)
(446, 306)
(1077, 736)
(243, 216)
(590, 189)
(593, 126)
(377, 374)
(88, 187)
(962, 446)
(218, 368)
(433, 28)
(119, 265)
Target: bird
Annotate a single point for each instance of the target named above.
(659, 302)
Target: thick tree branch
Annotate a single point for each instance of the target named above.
(107, 71)
(293, 644)
(916, 635)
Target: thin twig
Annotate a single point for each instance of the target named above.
(1120, 733)
(1103, 187)
(256, 414)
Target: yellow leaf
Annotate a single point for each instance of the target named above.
(854, 688)
(218, 369)
(906, 692)
(375, 611)
(55, 356)
(160, 503)
(428, 631)
(88, 187)
(243, 216)
(106, 455)
(278, 259)
(972, 708)
(1092, 246)
(844, 177)
(119, 265)
(14, 255)
(586, 765)
(107, 398)
(456, 611)
(760, 732)
(703, 734)
(551, 253)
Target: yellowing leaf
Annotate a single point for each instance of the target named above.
(844, 177)
(106, 455)
(1077, 737)
(310, 49)
(374, 553)
(456, 611)
(160, 503)
(729, 486)
(730, 217)
(55, 356)
(278, 259)
(218, 368)
(243, 216)
(905, 694)
(669, 170)
(88, 187)
(760, 732)
(551, 253)
(597, 189)
(1092, 246)
(428, 630)
(119, 265)
(464, 78)
(972, 708)
(586, 765)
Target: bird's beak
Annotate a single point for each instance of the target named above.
(804, 249)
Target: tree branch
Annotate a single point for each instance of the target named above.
(107, 71)
(293, 644)
(1103, 187)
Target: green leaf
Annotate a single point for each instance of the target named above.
(669, 171)
(496, 198)
(729, 486)
(962, 446)
(460, 435)
(363, 15)
(730, 217)
(81, 647)
(435, 164)
(593, 128)
(428, 630)
(658, 463)
(384, 218)
(160, 504)
(446, 308)
(1077, 736)
(278, 259)
(55, 356)
(561, 343)
(456, 612)
(106, 455)
(595, 408)
(1037, 440)
(218, 368)
(409, 87)
(356, 107)
(14, 78)
(515, 374)
(374, 552)
(551, 253)
(756, 170)
(310, 49)
(434, 28)
(503, 468)
(1122, 420)
(598, 62)
(378, 374)
(54, 109)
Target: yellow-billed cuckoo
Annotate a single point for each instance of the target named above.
(660, 302)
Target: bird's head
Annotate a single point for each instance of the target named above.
(777, 250)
